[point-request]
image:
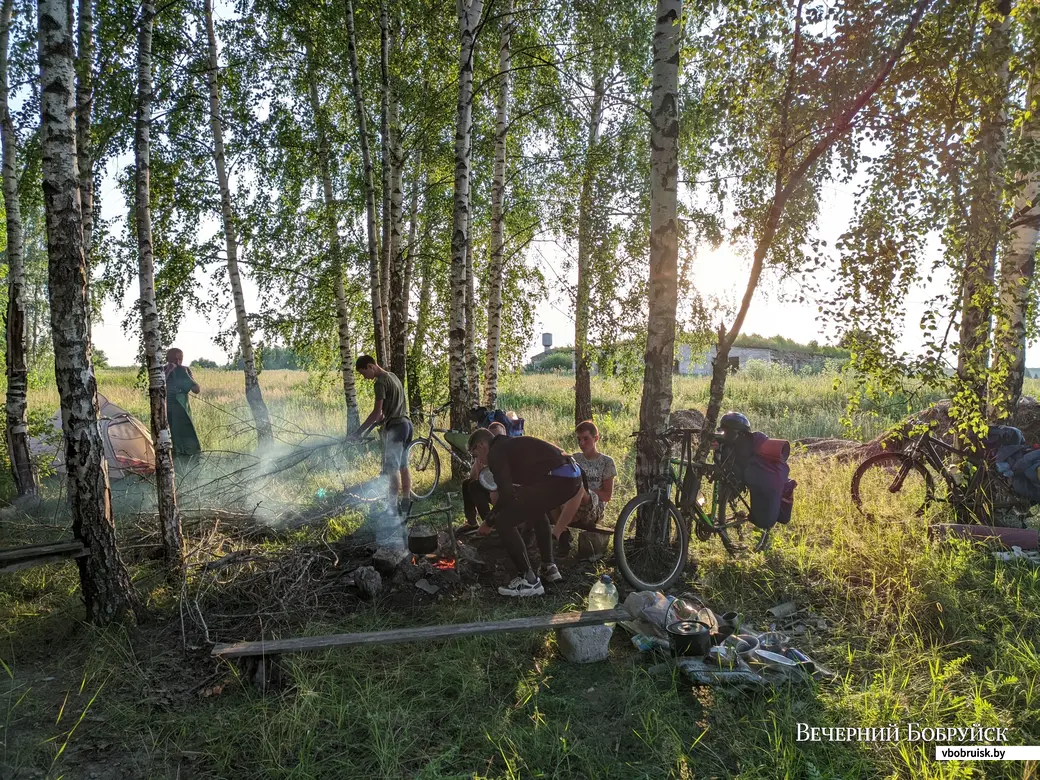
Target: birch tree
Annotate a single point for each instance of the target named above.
(104, 579)
(498, 199)
(166, 494)
(472, 365)
(1018, 267)
(374, 265)
(254, 395)
(335, 248)
(582, 378)
(16, 402)
(84, 112)
(469, 13)
(656, 403)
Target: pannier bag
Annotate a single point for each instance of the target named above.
(755, 461)
(514, 425)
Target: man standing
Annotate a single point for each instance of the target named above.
(391, 410)
(533, 477)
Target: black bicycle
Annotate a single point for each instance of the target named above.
(652, 536)
(891, 484)
(423, 461)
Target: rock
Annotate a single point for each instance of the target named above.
(388, 557)
(592, 545)
(584, 644)
(426, 586)
(368, 581)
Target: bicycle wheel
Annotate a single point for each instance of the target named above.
(890, 486)
(425, 468)
(651, 542)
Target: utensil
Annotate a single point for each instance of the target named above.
(689, 637)
(724, 656)
(744, 644)
(422, 540)
(773, 641)
(774, 659)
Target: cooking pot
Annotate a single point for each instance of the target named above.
(422, 540)
(689, 637)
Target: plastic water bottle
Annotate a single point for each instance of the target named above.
(603, 595)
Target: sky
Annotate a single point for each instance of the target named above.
(720, 273)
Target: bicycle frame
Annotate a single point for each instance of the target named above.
(432, 437)
(678, 468)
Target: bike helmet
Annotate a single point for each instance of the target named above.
(735, 421)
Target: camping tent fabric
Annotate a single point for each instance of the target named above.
(127, 442)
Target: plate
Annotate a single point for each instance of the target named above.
(486, 479)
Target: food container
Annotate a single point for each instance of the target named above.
(422, 540)
(773, 641)
(689, 638)
(724, 656)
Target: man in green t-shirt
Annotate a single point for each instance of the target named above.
(391, 410)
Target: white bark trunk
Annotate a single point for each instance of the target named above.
(985, 219)
(107, 592)
(385, 253)
(1017, 270)
(375, 277)
(166, 494)
(472, 365)
(346, 361)
(582, 373)
(84, 110)
(16, 403)
(664, 242)
(496, 269)
(469, 12)
(399, 358)
(254, 395)
(397, 296)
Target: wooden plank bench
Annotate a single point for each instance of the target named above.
(398, 635)
(17, 558)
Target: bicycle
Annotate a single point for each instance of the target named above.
(885, 483)
(423, 461)
(652, 536)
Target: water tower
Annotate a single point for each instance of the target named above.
(547, 341)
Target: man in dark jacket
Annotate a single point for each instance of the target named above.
(533, 477)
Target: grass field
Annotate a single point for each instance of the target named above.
(919, 633)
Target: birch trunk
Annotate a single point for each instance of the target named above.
(165, 491)
(985, 218)
(582, 378)
(84, 110)
(398, 290)
(385, 251)
(422, 316)
(254, 395)
(346, 361)
(16, 402)
(664, 243)
(375, 277)
(1017, 270)
(415, 357)
(472, 366)
(496, 268)
(105, 581)
(469, 12)
(399, 351)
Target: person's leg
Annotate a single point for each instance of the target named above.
(527, 582)
(406, 475)
(567, 512)
(541, 498)
(469, 505)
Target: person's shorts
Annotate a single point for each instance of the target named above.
(396, 436)
(589, 515)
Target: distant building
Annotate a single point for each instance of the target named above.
(699, 364)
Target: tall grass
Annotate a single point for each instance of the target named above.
(940, 635)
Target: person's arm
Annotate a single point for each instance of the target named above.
(606, 491)
(194, 385)
(374, 417)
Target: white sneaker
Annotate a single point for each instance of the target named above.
(521, 587)
(551, 573)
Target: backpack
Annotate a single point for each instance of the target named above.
(484, 417)
(758, 463)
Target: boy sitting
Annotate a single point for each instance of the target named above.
(599, 472)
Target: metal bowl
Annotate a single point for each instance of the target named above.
(486, 479)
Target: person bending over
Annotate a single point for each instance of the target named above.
(533, 478)
(390, 409)
(477, 499)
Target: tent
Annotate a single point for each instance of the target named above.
(128, 443)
